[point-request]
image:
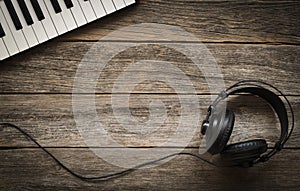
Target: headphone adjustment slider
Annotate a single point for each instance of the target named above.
(223, 94)
(204, 127)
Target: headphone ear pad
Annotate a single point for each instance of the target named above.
(245, 151)
(226, 127)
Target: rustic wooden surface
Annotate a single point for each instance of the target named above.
(250, 40)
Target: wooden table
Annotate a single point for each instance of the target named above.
(249, 40)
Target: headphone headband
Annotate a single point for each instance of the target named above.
(274, 101)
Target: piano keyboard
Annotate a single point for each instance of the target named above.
(27, 23)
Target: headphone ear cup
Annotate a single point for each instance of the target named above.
(246, 151)
(226, 127)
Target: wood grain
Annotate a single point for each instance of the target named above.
(211, 21)
(53, 69)
(50, 119)
(249, 40)
(35, 170)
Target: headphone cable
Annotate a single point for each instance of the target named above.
(112, 175)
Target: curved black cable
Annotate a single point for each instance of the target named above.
(112, 175)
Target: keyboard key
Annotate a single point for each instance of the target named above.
(13, 14)
(37, 25)
(26, 23)
(27, 30)
(56, 18)
(56, 6)
(25, 12)
(17, 34)
(98, 8)
(2, 33)
(109, 6)
(119, 4)
(47, 22)
(3, 53)
(8, 39)
(87, 10)
(69, 3)
(37, 8)
(67, 16)
(78, 14)
(129, 2)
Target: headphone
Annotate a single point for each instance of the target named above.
(246, 153)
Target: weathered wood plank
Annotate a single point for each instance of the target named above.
(52, 68)
(31, 169)
(49, 118)
(211, 21)
(242, 38)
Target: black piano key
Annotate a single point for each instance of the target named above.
(56, 6)
(13, 14)
(2, 33)
(25, 12)
(69, 3)
(37, 9)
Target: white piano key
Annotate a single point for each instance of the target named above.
(108, 6)
(8, 38)
(78, 14)
(56, 18)
(129, 2)
(37, 25)
(3, 53)
(83, 12)
(67, 16)
(87, 10)
(119, 4)
(17, 34)
(47, 22)
(98, 8)
(27, 30)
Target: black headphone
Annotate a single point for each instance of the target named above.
(249, 152)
